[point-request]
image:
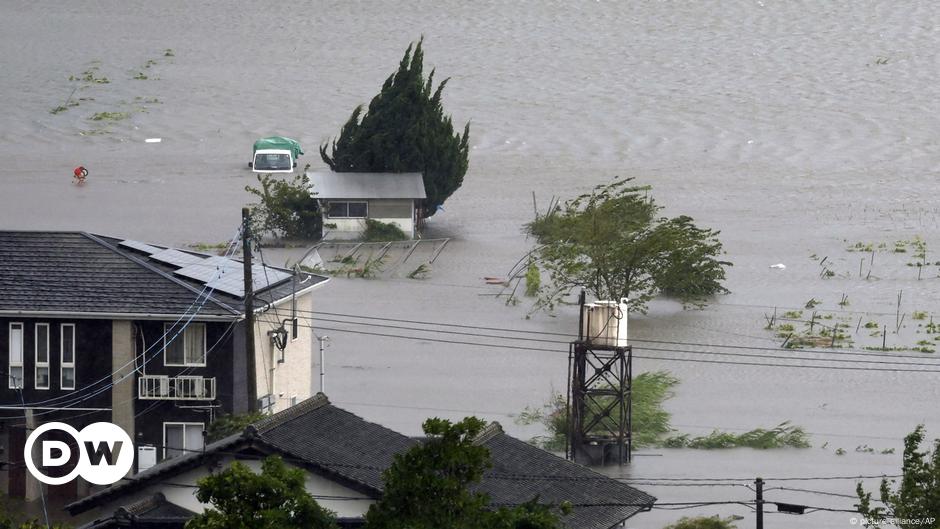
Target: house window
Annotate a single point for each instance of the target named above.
(181, 438)
(186, 348)
(67, 356)
(42, 356)
(349, 210)
(15, 371)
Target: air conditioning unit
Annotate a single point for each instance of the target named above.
(604, 323)
(146, 457)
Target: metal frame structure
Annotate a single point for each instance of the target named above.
(600, 400)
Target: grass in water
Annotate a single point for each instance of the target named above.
(651, 422)
(110, 116)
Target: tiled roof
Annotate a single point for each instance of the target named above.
(153, 512)
(521, 472)
(344, 447)
(81, 273)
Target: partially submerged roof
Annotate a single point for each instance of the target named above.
(81, 274)
(330, 185)
(343, 447)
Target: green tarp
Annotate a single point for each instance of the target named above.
(279, 142)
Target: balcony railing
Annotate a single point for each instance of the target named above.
(162, 387)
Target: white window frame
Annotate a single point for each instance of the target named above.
(348, 202)
(184, 449)
(38, 365)
(63, 365)
(11, 382)
(167, 327)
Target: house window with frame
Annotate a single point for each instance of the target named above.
(349, 210)
(42, 356)
(67, 356)
(186, 348)
(15, 371)
(180, 438)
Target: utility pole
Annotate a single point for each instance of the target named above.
(759, 487)
(249, 314)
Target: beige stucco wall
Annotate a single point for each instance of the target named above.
(398, 212)
(292, 378)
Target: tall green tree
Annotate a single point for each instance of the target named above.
(427, 487)
(274, 499)
(613, 243)
(405, 130)
(917, 496)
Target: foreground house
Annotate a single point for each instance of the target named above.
(347, 200)
(151, 338)
(344, 457)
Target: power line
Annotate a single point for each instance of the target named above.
(81, 396)
(648, 357)
(746, 355)
(570, 337)
(209, 351)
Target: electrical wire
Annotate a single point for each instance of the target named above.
(72, 398)
(746, 355)
(570, 337)
(209, 351)
(648, 357)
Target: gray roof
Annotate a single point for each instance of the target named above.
(78, 273)
(153, 512)
(349, 450)
(330, 185)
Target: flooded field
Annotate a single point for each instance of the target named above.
(798, 130)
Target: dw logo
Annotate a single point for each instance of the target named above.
(105, 453)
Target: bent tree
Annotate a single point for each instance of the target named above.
(613, 243)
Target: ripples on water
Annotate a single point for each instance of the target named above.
(795, 128)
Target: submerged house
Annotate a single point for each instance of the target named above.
(151, 338)
(344, 457)
(347, 200)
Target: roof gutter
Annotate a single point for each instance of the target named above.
(111, 315)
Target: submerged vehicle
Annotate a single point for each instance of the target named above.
(275, 154)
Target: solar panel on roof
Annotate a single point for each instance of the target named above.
(261, 277)
(230, 284)
(210, 268)
(140, 246)
(176, 258)
(267, 275)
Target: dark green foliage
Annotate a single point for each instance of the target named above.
(7, 522)
(230, 424)
(427, 486)
(703, 522)
(405, 130)
(917, 496)
(286, 208)
(651, 421)
(274, 499)
(378, 231)
(612, 243)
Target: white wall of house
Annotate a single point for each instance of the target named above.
(390, 211)
(185, 497)
(293, 377)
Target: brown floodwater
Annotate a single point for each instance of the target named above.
(797, 130)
